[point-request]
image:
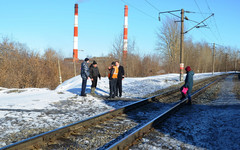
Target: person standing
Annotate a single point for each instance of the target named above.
(119, 79)
(188, 84)
(84, 75)
(94, 75)
(113, 75)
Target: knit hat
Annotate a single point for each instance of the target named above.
(86, 59)
(94, 62)
(113, 63)
(188, 68)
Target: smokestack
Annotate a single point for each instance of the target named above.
(125, 35)
(75, 38)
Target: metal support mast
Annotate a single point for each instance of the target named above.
(182, 45)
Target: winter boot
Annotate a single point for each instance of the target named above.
(189, 101)
(93, 91)
(183, 97)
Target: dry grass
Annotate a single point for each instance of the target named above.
(21, 68)
(236, 88)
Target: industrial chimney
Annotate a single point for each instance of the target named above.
(75, 38)
(125, 35)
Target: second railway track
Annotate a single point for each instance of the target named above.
(108, 130)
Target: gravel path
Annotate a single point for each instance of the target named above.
(213, 125)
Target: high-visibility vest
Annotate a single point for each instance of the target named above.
(115, 74)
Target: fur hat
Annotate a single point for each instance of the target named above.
(113, 63)
(188, 68)
(94, 62)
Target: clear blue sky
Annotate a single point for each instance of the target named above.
(49, 23)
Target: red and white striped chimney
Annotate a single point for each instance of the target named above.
(75, 38)
(125, 35)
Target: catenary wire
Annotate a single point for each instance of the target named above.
(206, 23)
(214, 20)
(139, 9)
(152, 5)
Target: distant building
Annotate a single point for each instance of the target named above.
(70, 61)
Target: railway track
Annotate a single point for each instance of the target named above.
(116, 129)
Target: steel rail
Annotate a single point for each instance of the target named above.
(130, 139)
(50, 136)
(65, 131)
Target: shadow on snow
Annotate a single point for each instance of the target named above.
(88, 90)
(205, 126)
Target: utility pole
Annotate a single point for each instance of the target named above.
(59, 72)
(182, 45)
(226, 62)
(213, 59)
(235, 62)
(198, 25)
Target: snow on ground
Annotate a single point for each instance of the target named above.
(41, 98)
(132, 87)
(215, 125)
(34, 108)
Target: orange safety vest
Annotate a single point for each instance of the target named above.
(115, 74)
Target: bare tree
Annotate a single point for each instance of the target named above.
(168, 44)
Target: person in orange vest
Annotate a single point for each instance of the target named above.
(113, 75)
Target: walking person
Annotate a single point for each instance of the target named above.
(84, 75)
(113, 79)
(188, 84)
(94, 75)
(119, 79)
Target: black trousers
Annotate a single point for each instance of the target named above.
(94, 82)
(84, 84)
(119, 87)
(113, 87)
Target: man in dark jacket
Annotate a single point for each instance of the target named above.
(188, 84)
(120, 78)
(113, 75)
(84, 75)
(94, 74)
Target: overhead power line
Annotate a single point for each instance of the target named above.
(206, 22)
(152, 5)
(214, 20)
(139, 10)
(198, 8)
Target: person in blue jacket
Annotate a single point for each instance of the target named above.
(188, 84)
(85, 75)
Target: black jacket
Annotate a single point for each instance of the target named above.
(94, 72)
(120, 72)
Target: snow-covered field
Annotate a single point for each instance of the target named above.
(32, 108)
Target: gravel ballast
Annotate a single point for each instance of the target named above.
(212, 122)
